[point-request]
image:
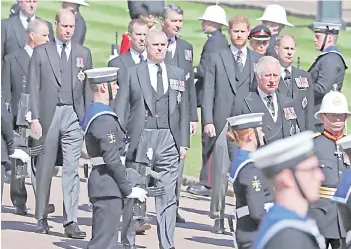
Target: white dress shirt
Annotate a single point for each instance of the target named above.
(265, 101)
(282, 71)
(59, 47)
(29, 50)
(24, 18)
(135, 55)
(235, 50)
(153, 75)
(172, 47)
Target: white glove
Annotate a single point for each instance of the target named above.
(268, 206)
(138, 193)
(21, 155)
(28, 117)
(150, 154)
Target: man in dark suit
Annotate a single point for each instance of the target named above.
(7, 143)
(231, 70)
(59, 96)
(81, 27)
(296, 84)
(154, 99)
(213, 19)
(180, 54)
(14, 83)
(13, 29)
(278, 111)
(137, 30)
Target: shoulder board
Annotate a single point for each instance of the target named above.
(317, 134)
(308, 227)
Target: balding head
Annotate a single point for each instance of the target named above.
(64, 23)
(37, 32)
(156, 45)
(286, 49)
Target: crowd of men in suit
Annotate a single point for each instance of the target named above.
(156, 106)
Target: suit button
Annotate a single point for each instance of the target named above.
(340, 173)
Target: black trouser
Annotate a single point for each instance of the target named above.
(336, 243)
(107, 213)
(18, 190)
(3, 170)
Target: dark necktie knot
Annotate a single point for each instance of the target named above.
(28, 20)
(170, 41)
(141, 57)
(159, 69)
(160, 89)
(287, 74)
(63, 52)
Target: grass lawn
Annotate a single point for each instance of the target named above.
(104, 18)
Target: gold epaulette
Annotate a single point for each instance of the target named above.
(317, 134)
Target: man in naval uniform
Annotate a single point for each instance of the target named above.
(333, 161)
(278, 113)
(59, 97)
(180, 54)
(292, 167)
(154, 99)
(7, 143)
(253, 192)
(14, 83)
(231, 71)
(329, 67)
(296, 84)
(274, 17)
(105, 140)
(81, 28)
(212, 21)
(13, 29)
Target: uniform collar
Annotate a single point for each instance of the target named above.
(332, 137)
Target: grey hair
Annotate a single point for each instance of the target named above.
(154, 33)
(171, 7)
(33, 26)
(262, 62)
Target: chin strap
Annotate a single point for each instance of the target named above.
(324, 42)
(298, 184)
(109, 87)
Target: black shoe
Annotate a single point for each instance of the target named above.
(199, 190)
(21, 210)
(142, 227)
(72, 231)
(218, 226)
(42, 226)
(179, 219)
(51, 208)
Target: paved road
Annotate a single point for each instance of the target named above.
(18, 231)
(297, 7)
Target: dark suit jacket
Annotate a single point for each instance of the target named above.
(80, 29)
(186, 63)
(44, 80)
(137, 93)
(14, 78)
(252, 103)
(216, 42)
(145, 8)
(7, 137)
(123, 61)
(303, 99)
(13, 35)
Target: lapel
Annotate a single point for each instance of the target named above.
(282, 103)
(145, 84)
(229, 65)
(54, 60)
(294, 74)
(282, 87)
(172, 93)
(179, 52)
(75, 54)
(252, 69)
(19, 30)
(128, 59)
(23, 59)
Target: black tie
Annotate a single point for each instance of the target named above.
(169, 51)
(28, 20)
(141, 57)
(287, 78)
(160, 89)
(270, 104)
(239, 60)
(63, 53)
